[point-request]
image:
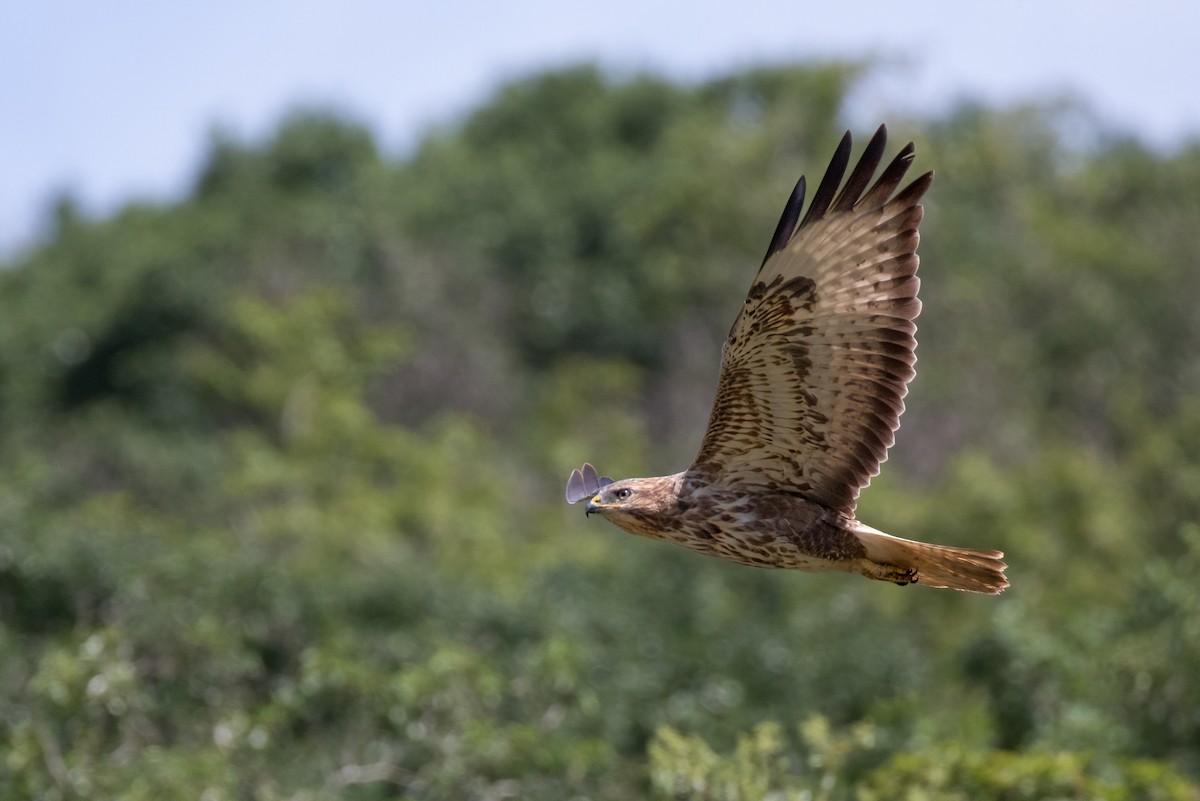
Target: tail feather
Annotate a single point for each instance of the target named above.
(966, 569)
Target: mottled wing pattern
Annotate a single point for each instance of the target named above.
(817, 363)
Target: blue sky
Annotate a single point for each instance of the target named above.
(114, 101)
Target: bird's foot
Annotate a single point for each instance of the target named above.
(893, 573)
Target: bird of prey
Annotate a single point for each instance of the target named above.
(813, 376)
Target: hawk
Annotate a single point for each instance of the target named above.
(813, 377)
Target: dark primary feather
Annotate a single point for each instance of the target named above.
(892, 175)
(787, 221)
(867, 164)
(829, 183)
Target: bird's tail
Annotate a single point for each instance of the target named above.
(964, 569)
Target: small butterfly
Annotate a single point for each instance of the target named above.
(584, 484)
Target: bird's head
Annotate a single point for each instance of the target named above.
(634, 504)
(615, 497)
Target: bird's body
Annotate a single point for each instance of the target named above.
(813, 377)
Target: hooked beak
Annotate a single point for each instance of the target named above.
(592, 507)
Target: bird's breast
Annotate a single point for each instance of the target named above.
(761, 529)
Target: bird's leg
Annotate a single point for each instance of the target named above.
(893, 573)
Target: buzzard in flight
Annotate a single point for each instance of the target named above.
(813, 377)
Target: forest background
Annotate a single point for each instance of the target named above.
(281, 467)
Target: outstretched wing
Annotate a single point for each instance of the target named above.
(818, 361)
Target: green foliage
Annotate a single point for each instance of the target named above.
(602, 236)
(685, 767)
(760, 766)
(763, 765)
(1033, 776)
(281, 469)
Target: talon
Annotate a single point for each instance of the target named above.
(900, 576)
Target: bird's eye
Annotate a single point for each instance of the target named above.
(623, 494)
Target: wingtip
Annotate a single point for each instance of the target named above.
(787, 221)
